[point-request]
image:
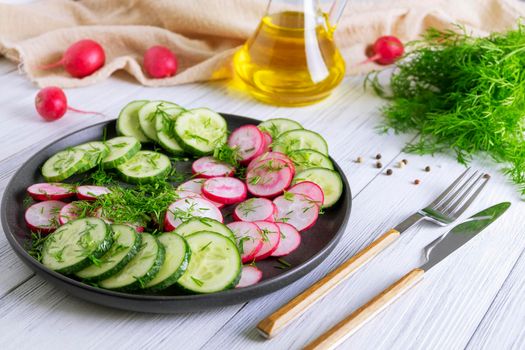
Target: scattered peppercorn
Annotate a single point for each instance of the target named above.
(405, 161)
(417, 182)
(486, 176)
(427, 169)
(389, 172)
(378, 156)
(379, 165)
(359, 160)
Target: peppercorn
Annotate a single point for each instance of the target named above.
(427, 169)
(417, 182)
(389, 172)
(405, 161)
(378, 156)
(486, 176)
(379, 165)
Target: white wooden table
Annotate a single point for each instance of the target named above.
(473, 299)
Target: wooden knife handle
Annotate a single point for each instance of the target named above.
(341, 331)
(298, 305)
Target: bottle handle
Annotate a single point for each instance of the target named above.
(336, 11)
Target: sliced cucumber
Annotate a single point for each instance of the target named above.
(148, 114)
(95, 151)
(165, 127)
(126, 244)
(145, 166)
(128, 121)
(175, 263)
(204, 224)
(63, 164)
(308, 158)
(278, 126)
(300, 139)
(329, 181)
(121, 149)
(200, 131)
(74, 245)
(215, 263)
(141, 269)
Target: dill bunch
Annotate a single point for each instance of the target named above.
(461, 93)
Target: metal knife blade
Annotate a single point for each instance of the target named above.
(445, 245)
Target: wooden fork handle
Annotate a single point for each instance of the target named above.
(341, 331)
(298, 305)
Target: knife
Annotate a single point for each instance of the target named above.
(435, 252)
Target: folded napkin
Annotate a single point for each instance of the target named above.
(205, 33)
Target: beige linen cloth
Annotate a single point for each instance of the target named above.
(205, 33)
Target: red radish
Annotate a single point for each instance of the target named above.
(43, 216)
(186, 208)
(210, 167)
(249, 239)
(386, 50)
(51, 104)
(91, 193)
(195, 185)
(249, 140)
(68, 212)
(267, 141)
(272, 155)
(160, 62)
(46, 191)
(81, 59)
(269, 178)
(186, 194)
(250, 275)
(227, 190)
(297, 210)
(271, 239)
(309, 189)
(255, 209)
(136, 227)
(290, 239)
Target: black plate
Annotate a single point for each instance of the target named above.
(317, 242)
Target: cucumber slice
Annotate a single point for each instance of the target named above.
(165, 127)
(278, 126)
(215, 263)
(308, 158)
(121, 149)
(175, 263)
(74, 245)
(200, 131)
(126, 244)
(63, 164)
(204, 224)
(329, 181)
(141, 269)
(95, 151)
(145, 166)
(300, 139)
(148, 114)
(128, 121)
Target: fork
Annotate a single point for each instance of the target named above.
(445, 209)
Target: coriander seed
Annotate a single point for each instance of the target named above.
(417, 182)
(400, 164)
(359, 160)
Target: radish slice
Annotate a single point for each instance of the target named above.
(249, 239)
(309, 189)
(227, 190)
(250, 275)
(290, 239)
(50, 191)
(186, 194)
(269, 178)
(99, 213)
(207, 167)
(267, 141)
(195, 186)
(43, 216)
(255, 209)
(272, 155)
(68, 212)
(249, 140)
(187, 208)
(297, 210)
(91, 193)
(271, 238)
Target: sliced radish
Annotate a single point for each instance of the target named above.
(99, 213)
(43, 216)
(68, 212)
(250, 275)
(290, 239)
(272, 155)
(249, 140)
(297, 210)
(269, 178)
(227, 190)
(255, 209)
(195, 186)
(271, 238)
(136, 227)
(309, 189)
(207, 167)
(267, 141)
(91, 193)
(186, 194)
(187, 208)
(249, 239)
(50, 191)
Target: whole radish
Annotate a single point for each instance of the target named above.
(386, 50)
(160, 62)
(81, 59)
(51, 104)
